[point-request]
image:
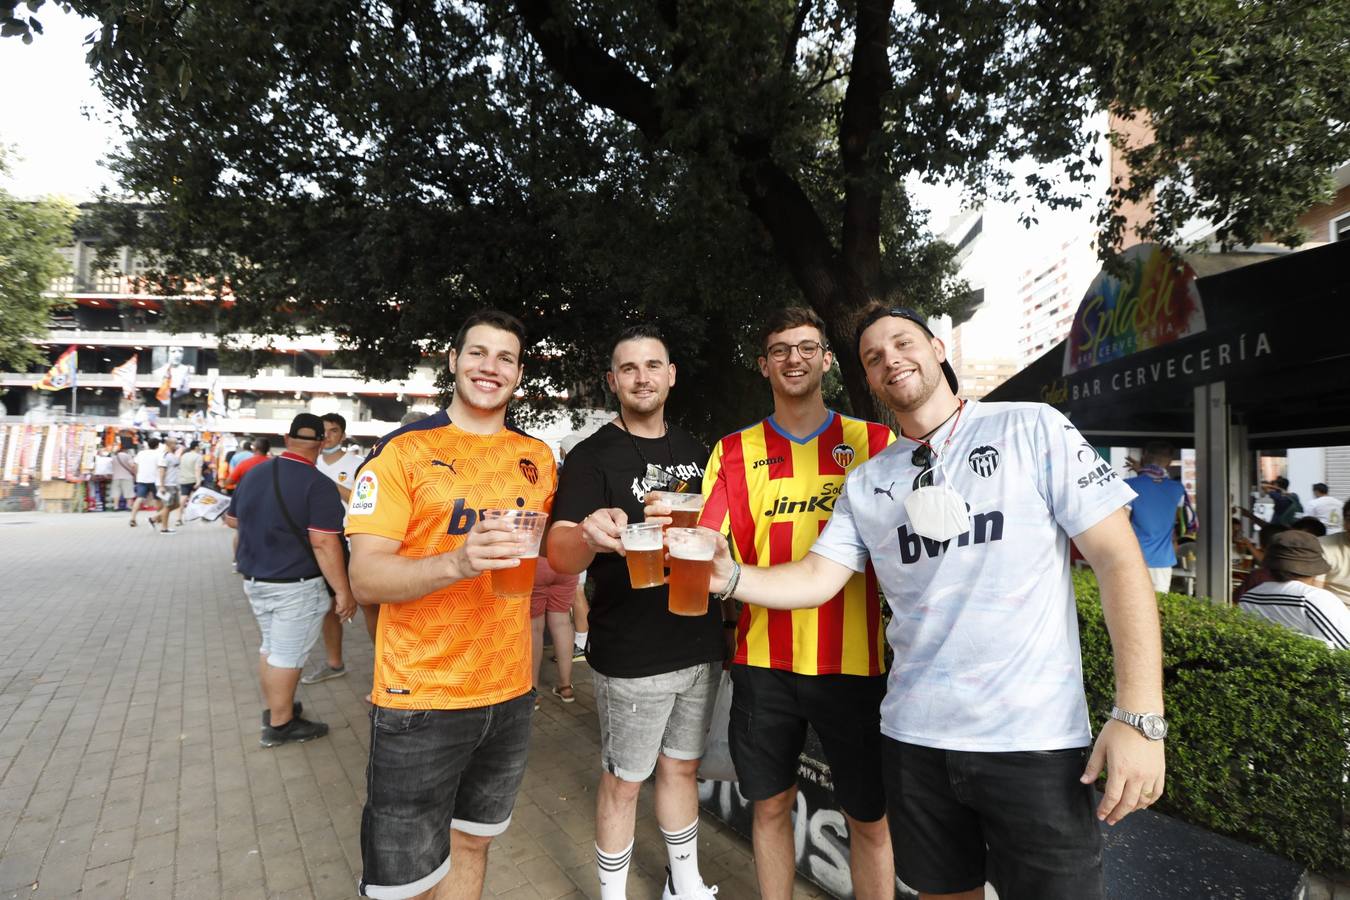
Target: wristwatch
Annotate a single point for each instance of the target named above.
(1150, 725)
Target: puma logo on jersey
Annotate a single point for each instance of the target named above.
(885, 490)
(449, 465)
(985, 528)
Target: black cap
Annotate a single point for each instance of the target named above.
(900, 312)
(306, 426)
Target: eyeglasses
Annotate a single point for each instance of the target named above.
(805, 349)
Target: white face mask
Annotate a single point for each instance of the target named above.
(937, 512)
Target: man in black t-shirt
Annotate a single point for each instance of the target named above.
(656, 673)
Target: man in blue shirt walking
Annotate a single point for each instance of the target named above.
(1153, 514)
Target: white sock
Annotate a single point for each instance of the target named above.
(613, 869)
(580, 639)
(682, 848)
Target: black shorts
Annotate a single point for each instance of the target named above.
(770, 710)
(1022, 821)
(431, 770)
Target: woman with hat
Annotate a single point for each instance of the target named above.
(1294, 597)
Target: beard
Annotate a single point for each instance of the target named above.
(928, 383)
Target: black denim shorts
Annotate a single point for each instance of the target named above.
(1022, 821)
(431, 770)
(770, 710)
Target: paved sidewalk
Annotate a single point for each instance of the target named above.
(129, 757)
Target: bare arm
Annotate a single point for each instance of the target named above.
(379, 575)
(572, 546)
(1135, 766)
(808, 582)
(328, 551)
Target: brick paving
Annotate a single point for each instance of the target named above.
(129, 757)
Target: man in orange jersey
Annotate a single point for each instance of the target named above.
(450, 725)
(771, 486)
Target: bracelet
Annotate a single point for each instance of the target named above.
(734, 580)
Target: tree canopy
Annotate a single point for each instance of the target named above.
(31, 234)
(381, 168)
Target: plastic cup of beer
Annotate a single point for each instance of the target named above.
(691, 563)
(684, 508)
(643, 550)
(528, 526)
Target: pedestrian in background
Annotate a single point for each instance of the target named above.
(551, 607)
(147, 475)
(1153, 513)
(1327, 509)
(189, 475)
(289, 520)
(123, 475)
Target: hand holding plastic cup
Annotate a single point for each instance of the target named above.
(684, 508)
(528, 529)
(643, 549)
(691, 564)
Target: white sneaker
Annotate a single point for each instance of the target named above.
(702, 892)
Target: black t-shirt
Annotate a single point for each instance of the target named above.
(633, 633)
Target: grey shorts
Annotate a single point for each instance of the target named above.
(290, 617)
(641, 718)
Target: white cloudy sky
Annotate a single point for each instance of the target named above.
(54, 120)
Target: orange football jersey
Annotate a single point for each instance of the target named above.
(425, 485)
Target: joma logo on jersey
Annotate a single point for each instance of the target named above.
(822, 502)
(985, 528)
(1103, 474)
(767, 461)
(463, 517)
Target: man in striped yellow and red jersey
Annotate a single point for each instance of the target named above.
(771, 486)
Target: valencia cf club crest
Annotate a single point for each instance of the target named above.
(529, 470)
(843, 455)
(983, 461)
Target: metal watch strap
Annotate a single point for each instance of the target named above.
(1136, 721)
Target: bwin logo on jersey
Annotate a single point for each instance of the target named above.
(985, 528)
(983, 461)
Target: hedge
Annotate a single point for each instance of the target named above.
(1259, 744)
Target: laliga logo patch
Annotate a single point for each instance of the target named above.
(843, 455)
(983, 461)
(529, 470)
(364, 495)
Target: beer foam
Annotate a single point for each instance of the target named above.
(693, 554)
(639, 542)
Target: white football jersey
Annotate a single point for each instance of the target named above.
(984, 626)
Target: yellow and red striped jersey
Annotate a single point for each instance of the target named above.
(773, 493)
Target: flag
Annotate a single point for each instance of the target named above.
(125, 375)
(215, 404)
(165, 387)
(62, 373)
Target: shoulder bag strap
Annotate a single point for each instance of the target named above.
(286, 514)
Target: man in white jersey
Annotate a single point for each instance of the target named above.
(987, 769)
(339, 465)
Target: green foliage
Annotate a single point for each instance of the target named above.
(379, 169)
(1259, 720)
(31, 233)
